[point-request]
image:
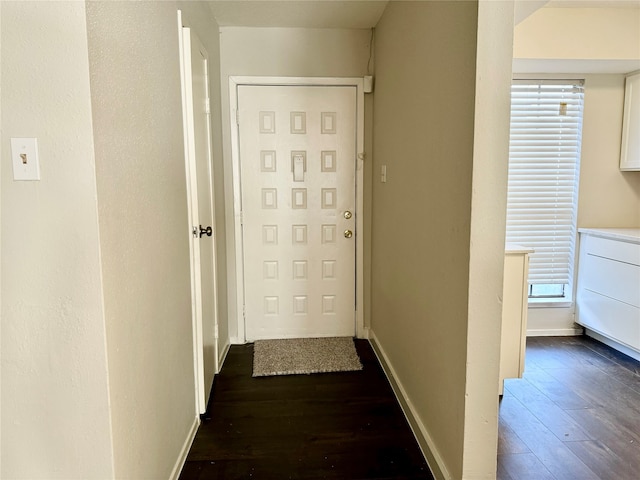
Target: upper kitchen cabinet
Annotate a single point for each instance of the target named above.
(630, 151)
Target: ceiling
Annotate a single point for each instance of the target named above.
(298, 13)
(352, 13)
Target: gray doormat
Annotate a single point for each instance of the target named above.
(293, 356)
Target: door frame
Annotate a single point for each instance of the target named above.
(358, 83)
(201, 392)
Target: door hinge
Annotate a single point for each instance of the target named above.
(207, 107)
(215, 331)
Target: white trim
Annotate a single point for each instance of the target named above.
(184, 451)
(613, 344)
(550, 332)
(234, 82)
(223, 356)
(421, 433)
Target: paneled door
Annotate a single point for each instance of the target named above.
(298, 176)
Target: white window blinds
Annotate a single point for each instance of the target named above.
(544, 158)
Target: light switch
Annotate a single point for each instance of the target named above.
(24, 153)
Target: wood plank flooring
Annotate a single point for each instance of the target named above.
(343, 426)
(574, 415)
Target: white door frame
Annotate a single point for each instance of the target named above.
(358, 83)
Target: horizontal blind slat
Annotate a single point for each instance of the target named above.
(544, 151)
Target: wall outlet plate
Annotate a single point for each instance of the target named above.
(24, 154)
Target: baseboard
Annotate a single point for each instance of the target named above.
(223, 357)
(613, 344)
(364, 334)
(420, 432)
(182, 458)
(554, 332)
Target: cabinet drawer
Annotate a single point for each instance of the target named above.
(609, 317)
(614, 249)
(618, 280)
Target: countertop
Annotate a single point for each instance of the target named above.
(631, 235)
(512, 248)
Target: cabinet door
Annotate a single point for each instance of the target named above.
(630, 151)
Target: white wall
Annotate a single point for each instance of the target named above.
(55, 403)
(282, 52)
(144, 232)
(440, 127)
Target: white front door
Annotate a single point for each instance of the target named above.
(200, 177)
(298, 157)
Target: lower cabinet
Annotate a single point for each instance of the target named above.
(608, 297)
(515, 296)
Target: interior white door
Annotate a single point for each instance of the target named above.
(200, 182)
(298, 178)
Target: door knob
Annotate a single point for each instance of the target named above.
(348, 234)
(347, 214)
(203, 231)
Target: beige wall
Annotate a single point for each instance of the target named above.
(607, 197)
(55, 404)
(284, 52)
(570, 33)
(137, 123)
(437, 272)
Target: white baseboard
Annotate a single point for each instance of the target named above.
(613, 344)
(554, 332)
(223, 357)
(365, 333)
(182, 458)
(425, 441)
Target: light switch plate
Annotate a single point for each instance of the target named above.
(24, 154)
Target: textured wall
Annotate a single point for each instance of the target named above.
(137, 117)
(55, 411)
(424, 134)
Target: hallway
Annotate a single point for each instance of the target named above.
(337, 425)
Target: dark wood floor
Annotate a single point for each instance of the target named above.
(574, 415)
(343, 426)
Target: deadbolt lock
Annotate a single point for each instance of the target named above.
(347, 214)
(348, 234)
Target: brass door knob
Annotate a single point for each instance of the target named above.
(348, 234)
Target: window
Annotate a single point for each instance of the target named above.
(544, 159)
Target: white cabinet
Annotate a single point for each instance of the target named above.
(630, 149)
(608, 299)
(515, 294)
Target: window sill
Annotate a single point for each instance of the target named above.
(550, 303)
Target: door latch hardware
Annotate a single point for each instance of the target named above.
(204, 231)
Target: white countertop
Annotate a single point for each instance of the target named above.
(625, 234)
(512, 248)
